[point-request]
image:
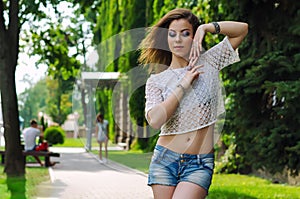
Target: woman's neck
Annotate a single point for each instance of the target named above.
(178, 62)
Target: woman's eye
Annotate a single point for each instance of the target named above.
(172, 34)
(186, 33)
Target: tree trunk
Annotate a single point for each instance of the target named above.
(9, 42)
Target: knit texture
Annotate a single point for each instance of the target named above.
(203, 104)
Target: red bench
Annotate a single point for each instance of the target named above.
(45, 154)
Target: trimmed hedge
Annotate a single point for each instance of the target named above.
(55, 135)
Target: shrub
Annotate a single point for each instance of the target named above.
(54, 135)
(229, 162)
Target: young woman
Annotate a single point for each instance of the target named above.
(102, 134)
(182, 100)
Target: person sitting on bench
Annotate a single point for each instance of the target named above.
(30, 134)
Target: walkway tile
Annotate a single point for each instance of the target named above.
(80, 175)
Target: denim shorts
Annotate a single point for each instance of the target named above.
(169, 168)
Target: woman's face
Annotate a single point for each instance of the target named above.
(180, 37)
(99, 119)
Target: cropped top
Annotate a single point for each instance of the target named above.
(203, 102)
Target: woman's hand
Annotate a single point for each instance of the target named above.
(197, 44)
(190, 76)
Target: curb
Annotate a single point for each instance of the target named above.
(122, 167)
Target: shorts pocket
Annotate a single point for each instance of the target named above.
(156, 157)
(208, 163)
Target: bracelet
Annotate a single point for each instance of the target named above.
(182, 88)
(217, 27)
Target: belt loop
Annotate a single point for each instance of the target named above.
(163, 152)
(199, 159)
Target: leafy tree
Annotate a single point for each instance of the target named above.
(123, 16)
(54, 45)
(13, 14)
(9, 42)
(58, 104)
(264, 86)
(33, 100)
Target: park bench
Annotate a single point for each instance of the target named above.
(123, 145)
(45, 154)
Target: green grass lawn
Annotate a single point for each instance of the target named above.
(224, 186)
(79, 142)
(23, 188)
(76, 142)
(228, 186)
(133, 159)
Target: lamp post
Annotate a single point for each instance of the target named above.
(76, 127)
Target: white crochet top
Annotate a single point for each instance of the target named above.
(203, 102)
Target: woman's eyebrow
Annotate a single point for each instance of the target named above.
(185, 29)
(180, 30)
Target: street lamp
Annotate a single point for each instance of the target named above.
(76, 126)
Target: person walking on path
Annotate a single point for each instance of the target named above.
(182, 99)
(102, 134)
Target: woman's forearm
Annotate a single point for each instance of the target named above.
(162, 112)
(235, 31)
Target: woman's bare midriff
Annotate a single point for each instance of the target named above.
(195, 142)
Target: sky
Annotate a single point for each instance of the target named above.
(27, 68)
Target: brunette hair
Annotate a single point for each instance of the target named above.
(99, 115)
(155, 50)
(33, 122)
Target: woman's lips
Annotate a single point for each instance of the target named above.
(178, 47)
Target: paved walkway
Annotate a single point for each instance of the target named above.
(81, 175)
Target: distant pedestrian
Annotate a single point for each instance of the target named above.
(102, 134)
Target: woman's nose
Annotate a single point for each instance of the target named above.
(178, 38)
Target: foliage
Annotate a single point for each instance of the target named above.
(43, 123)
(59, 104)
(54, 135)
(264, 85)
(115, 17)
(54, 44)
(33, 100)
(229, 162)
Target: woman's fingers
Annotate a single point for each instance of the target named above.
(195, 51)
(199, 66)
(193, 61)
(191, 75)
(197, 48)
(196, 69)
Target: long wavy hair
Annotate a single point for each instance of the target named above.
(155, 52)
